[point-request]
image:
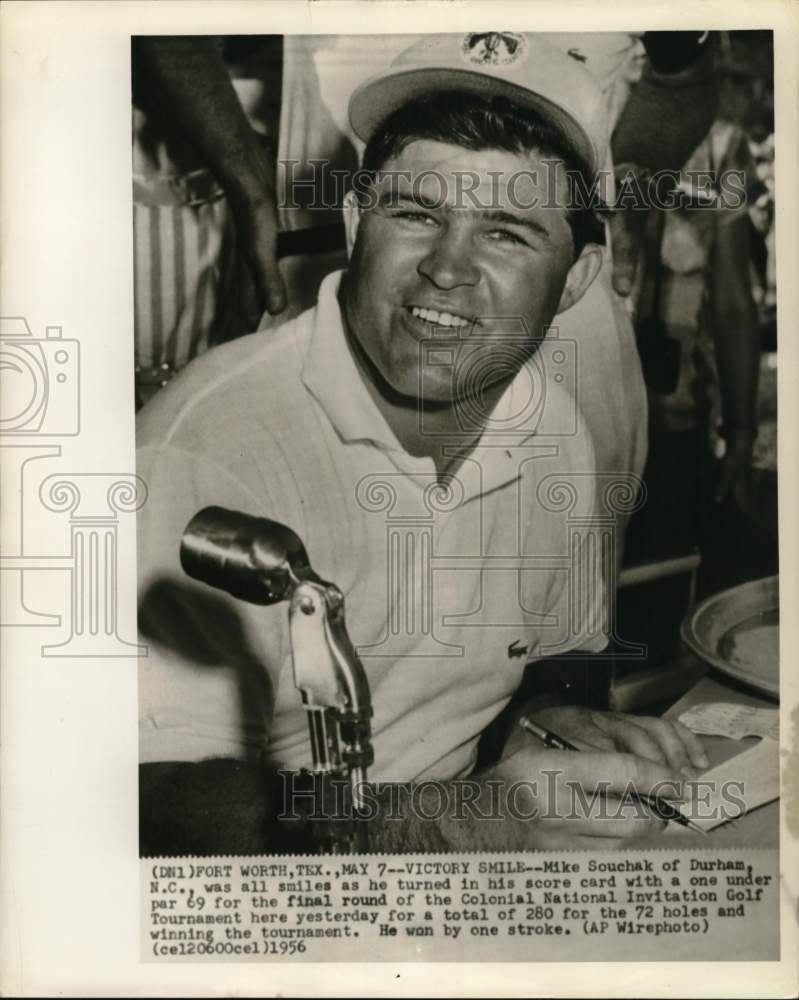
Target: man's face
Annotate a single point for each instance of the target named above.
(429, 262)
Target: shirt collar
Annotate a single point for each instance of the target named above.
(331, 375)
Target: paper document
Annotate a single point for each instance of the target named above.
(735, 787)
(722, 718)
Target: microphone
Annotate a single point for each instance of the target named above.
(252, 558)
(264, 562)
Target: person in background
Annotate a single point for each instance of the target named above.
(746, 89)
(669, 102)
(217, 238)
(700, 343)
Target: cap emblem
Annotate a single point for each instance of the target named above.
(493, 48)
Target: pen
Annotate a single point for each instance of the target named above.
(662, 809)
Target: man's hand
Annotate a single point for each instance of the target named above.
(255, 220)
(668, 743)
(262, 251)
(189, 79)
(626, 239)
(550, 798)
(545, 799)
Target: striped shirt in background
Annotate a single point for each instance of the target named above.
(190, 277)
(185, 266)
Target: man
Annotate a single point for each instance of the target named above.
(415, 434)
(201, 234)
(228, 103)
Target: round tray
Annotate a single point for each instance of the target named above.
(710, 630)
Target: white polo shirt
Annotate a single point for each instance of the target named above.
(449, 592)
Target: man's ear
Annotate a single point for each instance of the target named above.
(352, 219)
(580, 276)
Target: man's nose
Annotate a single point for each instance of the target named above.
(450, 261)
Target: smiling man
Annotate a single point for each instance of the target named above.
(416, 430)
(459, 241)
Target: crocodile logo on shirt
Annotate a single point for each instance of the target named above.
(515, 650)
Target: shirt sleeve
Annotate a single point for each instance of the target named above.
(208, 680)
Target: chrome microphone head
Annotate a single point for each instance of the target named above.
(252, 558)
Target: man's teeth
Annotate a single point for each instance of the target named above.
(439, 318)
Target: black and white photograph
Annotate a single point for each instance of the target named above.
(504, 432)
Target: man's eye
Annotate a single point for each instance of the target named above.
(506, 236)
(421, 217)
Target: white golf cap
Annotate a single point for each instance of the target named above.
(525, 68)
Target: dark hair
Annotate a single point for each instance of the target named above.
(482, 123)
